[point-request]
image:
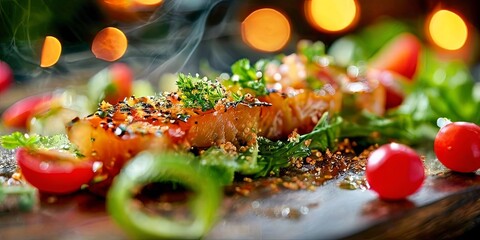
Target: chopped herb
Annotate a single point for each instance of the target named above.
(199, 92)
(250, 77)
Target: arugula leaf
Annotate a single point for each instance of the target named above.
(199, 92)
(250, 77)
(382, 129)
(272, 156)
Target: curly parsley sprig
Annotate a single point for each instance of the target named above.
(199, 92)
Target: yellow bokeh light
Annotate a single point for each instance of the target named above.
(266, 29)
(447, 30)
(149, 2)
(331, 15)
(51, 51)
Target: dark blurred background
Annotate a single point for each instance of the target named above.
(181, 35)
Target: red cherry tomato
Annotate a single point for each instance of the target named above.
(394, 171)
(17, 115)
(121, 83)
(6, 76)
(457, 146)
(53, 171)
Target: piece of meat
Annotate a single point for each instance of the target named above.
(116, 133)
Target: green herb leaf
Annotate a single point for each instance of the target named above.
(272, 156)
(18, 139)
(312, 50)
(250, 77)
(199, 92)
(376, 129)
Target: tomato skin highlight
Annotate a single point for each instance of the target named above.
(457, 146)
(394, 171)
(43, 171)
(18, 115)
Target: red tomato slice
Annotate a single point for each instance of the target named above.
(54, 171)
(17, 115)
(6, 76)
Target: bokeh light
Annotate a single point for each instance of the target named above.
(447, 30)
(149, 2)
(109, 44)
(129, 10)
(331, 15)
(51, 51)
(266, 30)
(124, 4)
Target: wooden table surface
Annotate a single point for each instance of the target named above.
(446, 206)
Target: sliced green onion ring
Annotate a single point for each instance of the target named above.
(164, 167)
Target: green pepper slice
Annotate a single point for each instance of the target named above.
(148, 168)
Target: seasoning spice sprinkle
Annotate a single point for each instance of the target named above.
(310, 172)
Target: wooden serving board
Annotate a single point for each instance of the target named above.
(447, 205)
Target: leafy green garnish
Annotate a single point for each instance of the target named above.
(448, 89)
(312, 50)
(270, 156)
(275, 155)
(18, 139)
(34, 141)
(250, 77)
(199, 92)
(377, 129)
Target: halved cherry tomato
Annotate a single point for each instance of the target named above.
(400, 55)
(17, 115)
(457, 146)
(54, 171)
(394, 171)
(6, 76)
